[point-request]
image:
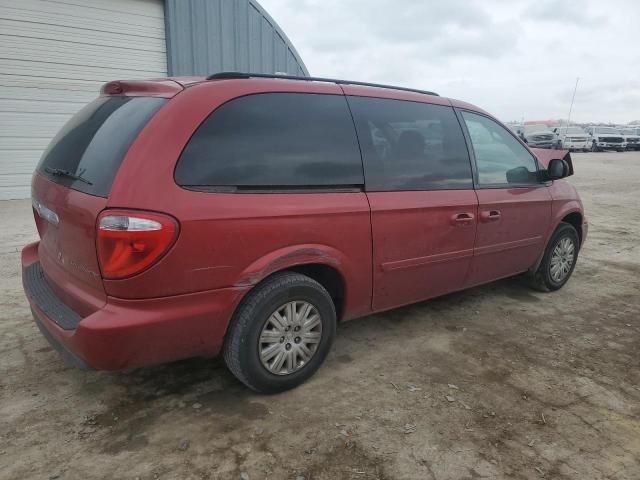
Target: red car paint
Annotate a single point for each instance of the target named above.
(388, 248)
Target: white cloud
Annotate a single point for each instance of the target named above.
(564, 12)
(514, 58)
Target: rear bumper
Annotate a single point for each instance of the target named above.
(69, 357)
(131, 333)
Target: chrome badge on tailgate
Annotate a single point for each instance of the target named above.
(45, 213)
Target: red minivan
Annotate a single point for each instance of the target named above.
(247, 214)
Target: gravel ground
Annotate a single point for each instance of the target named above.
(494, 382)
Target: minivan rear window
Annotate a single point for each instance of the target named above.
(274, 141)
(86, 154)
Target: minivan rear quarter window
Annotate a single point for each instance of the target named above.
(410, 145)
(272, 141)
(92, 145)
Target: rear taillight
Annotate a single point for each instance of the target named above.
(130, 241)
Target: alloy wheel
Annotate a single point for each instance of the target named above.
(290, 337)
(562, 259)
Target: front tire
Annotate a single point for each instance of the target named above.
(559, 259)
(594, 147)
(281, 333)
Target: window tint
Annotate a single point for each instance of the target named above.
(274, 140)
(93, 143)
(500, 158)
(410, 145)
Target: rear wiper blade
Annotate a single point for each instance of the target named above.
(65, 173)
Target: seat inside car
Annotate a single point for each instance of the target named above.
(410, 145)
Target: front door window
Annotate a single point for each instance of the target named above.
(500, 158)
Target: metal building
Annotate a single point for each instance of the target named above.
(55, 54)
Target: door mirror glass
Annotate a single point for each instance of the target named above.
(558, 169)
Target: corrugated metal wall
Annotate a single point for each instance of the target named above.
(209, 36)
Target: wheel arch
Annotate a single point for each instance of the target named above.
(324, 264)
(572, 216)
(330, 278)
(574, 219)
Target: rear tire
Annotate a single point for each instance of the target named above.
(269, 345)
(559, 259)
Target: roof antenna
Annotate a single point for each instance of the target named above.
(566, 128)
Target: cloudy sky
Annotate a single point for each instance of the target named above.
(515, 58)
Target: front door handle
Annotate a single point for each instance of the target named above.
(490, 215)
(461, 219)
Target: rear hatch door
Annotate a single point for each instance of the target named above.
(70, 188)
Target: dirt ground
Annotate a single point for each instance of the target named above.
(495, 382)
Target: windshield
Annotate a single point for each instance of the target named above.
(536, 128)
(571, 130)
(86, 154)
(607, 130)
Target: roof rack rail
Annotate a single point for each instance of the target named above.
(232, 75)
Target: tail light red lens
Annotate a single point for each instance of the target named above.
(128, 242)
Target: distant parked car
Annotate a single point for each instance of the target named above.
(632, 137)
(573, 138)
(518, 129)
(541, 136)
(606, 138)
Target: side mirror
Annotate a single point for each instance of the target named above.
(557, 169)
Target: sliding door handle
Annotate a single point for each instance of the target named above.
(490, 215)
(461, 219)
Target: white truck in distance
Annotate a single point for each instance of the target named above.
(631, 137)
(573, 138)
(606, 138)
